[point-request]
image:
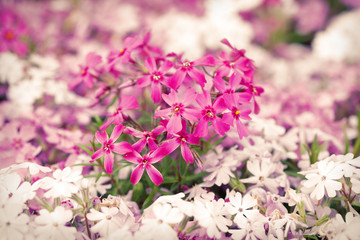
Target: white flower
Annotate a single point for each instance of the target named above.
(12, 189)
(11, 68)
(51, 225)
(210, 215)
(158, 225)
(107, 220)
(33, 168)
(325, 177)
(262, 169)
(242, 206)
(198, 189)
(63, 183)
(341, 40)
(13, 223)
(221, 166)
(337, 228)
(249, 230)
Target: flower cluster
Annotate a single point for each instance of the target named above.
(196, 120)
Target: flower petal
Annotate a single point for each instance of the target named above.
(137, 174)
(101, 137)
(109, 162)
(154, 174)
(97, 154)
(116, 132)
(122, 147)
(174, 124)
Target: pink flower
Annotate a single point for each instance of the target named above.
(178, 108)
(208, 113)
(145, 163)
(232, 87)
(15, 135)
(238, 110)
(110, 146)
(126, 103)
(123, 55)
(145, 138)
(188, 69)
(155, 77)
(235, 62)
(255, 91)
(87, 72)
(183, 139)
(12, 29)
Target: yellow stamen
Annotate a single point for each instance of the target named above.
(237, 112)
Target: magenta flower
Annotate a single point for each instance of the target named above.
(126, 103)
(188, 69)
(208, 113)
(145, 163)
(11, 32)
(233, 87)
(235, 62)
(238, 111)
(255, 91)
(145, 138)
(178, 108)
(155, 77)
(123, 55)
(183, 139)
(87, 72)
(110, 146)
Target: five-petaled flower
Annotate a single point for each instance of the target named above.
(178, 108)
(87, 72)
(155, 76)
(110, 146)
(145, 163)
(209, 112)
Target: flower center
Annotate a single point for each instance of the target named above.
(144, 161)
(261, 179)
(107, 147)
(210, 113)
(108, 217)
(9, 35)
(17, 143)
(186, 65)
(237, 112)
(83, 71)
(156, 77)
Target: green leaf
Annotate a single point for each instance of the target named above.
(235, 183)
(138, 190)
(294, 174)
(149, 200)
(98, 121)
(170, 179)
(88, 151)
(195, 177)
(87, 164)
(98, 176)
(122, 166)
(355, 204)
(311, 237)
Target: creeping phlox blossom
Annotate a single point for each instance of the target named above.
(186, 103)
(328, 176)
